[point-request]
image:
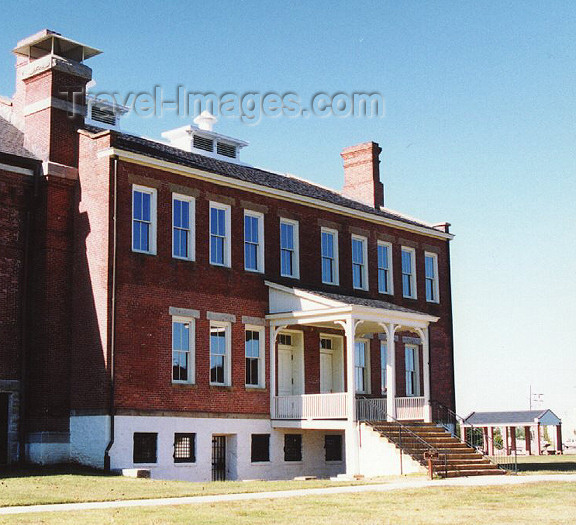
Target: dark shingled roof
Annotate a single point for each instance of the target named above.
(250, 174)
(12, 140)
(501, 418)
(362, 301)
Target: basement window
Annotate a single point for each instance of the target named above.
(184, 448)
(145, 445)
(333, 447)
(260, 450)
(292, 447)
(203, 143)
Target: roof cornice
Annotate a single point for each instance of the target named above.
(145, 160)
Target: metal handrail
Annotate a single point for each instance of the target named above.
(452, 419)
(430, 448)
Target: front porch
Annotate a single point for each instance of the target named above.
(355, 377)
(335, 406)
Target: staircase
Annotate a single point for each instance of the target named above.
(455, 459)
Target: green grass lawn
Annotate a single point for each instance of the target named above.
(70, 485)
(542, 503)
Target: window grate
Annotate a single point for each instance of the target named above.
(333, 447)
(293, 447)
(184, 448)
(260, 450)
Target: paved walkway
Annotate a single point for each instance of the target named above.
(384, 487)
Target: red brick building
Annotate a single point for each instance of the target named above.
(166, 306)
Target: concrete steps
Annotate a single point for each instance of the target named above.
(456, 458)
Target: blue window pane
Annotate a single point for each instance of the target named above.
(429, 267)
(177, 214)
(430, 290)
(407, 285)
(406, 262)
(287, 236)
(145, 206)
(185, 214)
(138, 205)
(136, 235)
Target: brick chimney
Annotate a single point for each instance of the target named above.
(49, 69)
(362, 174)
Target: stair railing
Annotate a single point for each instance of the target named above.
(493, 449)
(405, 433)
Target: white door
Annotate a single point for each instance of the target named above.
(326, 372)
(285, 383)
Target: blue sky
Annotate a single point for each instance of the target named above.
(479, 130)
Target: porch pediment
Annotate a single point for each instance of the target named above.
(307, 306)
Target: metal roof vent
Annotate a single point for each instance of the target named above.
(103, 113)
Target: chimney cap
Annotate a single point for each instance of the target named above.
(47, 41)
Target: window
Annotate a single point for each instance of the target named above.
(289, 265)
(361, 364)
(219, 234)
(183, 227)
(325, 343)
(285, 339)
(182, 350)
(184, 448)
(260, 450)
(408, 273)
(253, 241)
(385, 267)
(412, 371)
(254, 357)
(359, 267)
(333, 447)
(329, 247)
(292, 447)
(144, 447)
(143, 220)
(219, 354)
(431, 266)
(383, 361)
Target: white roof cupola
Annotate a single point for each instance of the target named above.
(203, 140)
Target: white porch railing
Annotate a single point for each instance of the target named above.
(409, 408)
(371, 409)
(311, 406)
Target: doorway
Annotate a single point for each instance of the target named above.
(331, 365)
(290, 364)
(4, 413)
(218, 458)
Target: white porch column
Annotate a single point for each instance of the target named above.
(274, 330)
(391, 371)
(426, 373)
(351, 436)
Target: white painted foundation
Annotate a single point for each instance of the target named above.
(238, 431)
(89, 437)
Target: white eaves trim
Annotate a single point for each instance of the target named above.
(144, 160)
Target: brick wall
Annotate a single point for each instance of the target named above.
(148, 285)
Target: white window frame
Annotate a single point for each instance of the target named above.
(416, 371)
(228, 352)
(435, 283)
(227, 233)
(192, 226)
(335, 261)
(261, 356)
(153, 218)
(383, 366)
(366, 373)
(364, 242)
(390, 281)
(260, 246)
(413, 281)
(191, 352)
(296, 250)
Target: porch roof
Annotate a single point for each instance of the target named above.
(298, 303)
(516, 418)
